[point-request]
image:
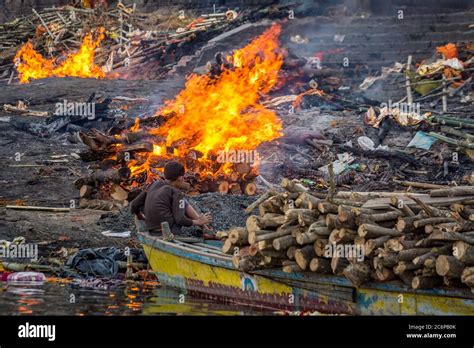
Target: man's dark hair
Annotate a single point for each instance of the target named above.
(173, 170)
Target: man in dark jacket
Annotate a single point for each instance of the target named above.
(164, 202)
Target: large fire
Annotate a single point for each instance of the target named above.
(32, 65)
(215, 114)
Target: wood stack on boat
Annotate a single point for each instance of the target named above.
(424, 240)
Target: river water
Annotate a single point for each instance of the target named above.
(57, 298)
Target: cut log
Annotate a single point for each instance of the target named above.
(384, 274)
(115, 176)
(271, 205)
(449, 266)
(306, 238)
(97, 204)
(444, 250)
(453, 191)
(317, 229)
(410, 254)
(342, 236)
(398, 203)
(305, 219)
(320, 265)
(372, 244)
(283, 243)
(373, 231)
(407, 277)
(253, 224)
(467, 277)
(391, 215)
(118, 193)
(338, 264)
(453, 282)
(320, 246)
(293, 186)
(249, 188)
(257, 236)
(239, 236)
(404, 266)
(327, 208)
(330, 221)
(399, 243)
(346, 217)
(234, 189)
(222, 234)
(357, 273)
(304, 256)
(431, 221)
(245, 264)
(270, 221)
(307, 201)
(360, 241)
(228, 247)
(86, 191)
(242, 168)
(405, 224)
(291, 268)
(452, 236)
(290, 252)
(223, 187)
(260, 200)
(464, 252)
(425, 282)
(292, 214)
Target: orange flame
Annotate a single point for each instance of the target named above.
(222, 113)
(31, 65)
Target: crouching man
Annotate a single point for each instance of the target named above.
(163, 201)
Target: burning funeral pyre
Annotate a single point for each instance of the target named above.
(214, 126)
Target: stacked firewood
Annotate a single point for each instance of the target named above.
(423, 240)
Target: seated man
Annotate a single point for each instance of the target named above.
(162, 201)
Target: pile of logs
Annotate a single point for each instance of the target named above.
(112, 183)
(424, 241)
(133, 48)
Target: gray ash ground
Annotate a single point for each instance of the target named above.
(117, 221)
(227, 210)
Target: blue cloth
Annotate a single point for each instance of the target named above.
(421, 140)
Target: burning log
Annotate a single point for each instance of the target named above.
(223, 187)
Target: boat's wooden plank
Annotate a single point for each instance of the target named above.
(203, 248)
(310, 277)
(185, 251)
(204, 245)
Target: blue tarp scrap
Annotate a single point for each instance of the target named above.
(421, 140)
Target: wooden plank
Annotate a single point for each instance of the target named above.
(384, 203)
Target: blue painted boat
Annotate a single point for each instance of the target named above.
(202, 270)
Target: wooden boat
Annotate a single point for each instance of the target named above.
(202, 270)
